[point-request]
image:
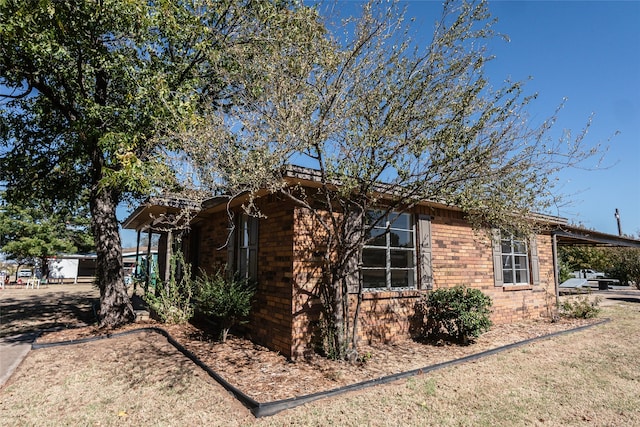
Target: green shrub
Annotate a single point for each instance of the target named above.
(460, 312)
(580, 308)
(227, 301)
(172, 299)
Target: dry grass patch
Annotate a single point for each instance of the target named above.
(585, 378)
(138, 379)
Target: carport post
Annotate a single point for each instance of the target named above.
(556, 266)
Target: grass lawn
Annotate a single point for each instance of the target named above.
(586, 378)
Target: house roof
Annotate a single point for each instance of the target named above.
(298, 175)
(156, 207)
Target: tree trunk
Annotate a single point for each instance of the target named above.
(115, 305)
(345, 279)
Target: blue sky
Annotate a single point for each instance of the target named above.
(589, 53)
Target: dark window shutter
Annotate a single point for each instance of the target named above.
(426, 268)
(498, 277)
(535, 261)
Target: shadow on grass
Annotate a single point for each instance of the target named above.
(23, 313)
(626, 299)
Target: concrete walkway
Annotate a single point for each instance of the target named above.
(25, 312)
(13, 350)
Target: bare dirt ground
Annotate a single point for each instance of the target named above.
(585, 378)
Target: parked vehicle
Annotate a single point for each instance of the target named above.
(25, 273)
(588, 274)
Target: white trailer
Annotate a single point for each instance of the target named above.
(72, 269)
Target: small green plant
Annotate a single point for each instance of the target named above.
(460, 312)
(227, 301)
(580, 307)
(172, 299)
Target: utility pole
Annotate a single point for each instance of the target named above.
(617, 215)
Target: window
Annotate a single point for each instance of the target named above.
(515, 260)
(246, 257)
(388, 259)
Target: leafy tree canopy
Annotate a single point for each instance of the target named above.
(88, 85)
(31, 232)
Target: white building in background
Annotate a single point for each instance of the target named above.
(79, 268)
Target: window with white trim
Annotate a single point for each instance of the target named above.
(515, 260)
(389, 257)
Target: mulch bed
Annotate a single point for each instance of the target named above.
(266, 376)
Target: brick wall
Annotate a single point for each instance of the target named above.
(460, 256)
(285, 316)
(271, 319)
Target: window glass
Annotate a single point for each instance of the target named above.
(375, 217)
(401, 259)
(247, 247)
(374, 257)
(400, 221)
(374, 278)
(401, 278)
(401, 239)
(515, 261)
(508, 276)
(378, 237)
(388, 259)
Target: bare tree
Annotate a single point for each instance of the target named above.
(387, 123)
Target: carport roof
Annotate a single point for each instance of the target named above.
(572, 236)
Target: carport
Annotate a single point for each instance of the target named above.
(566, 235)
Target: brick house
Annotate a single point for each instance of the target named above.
(430, 247)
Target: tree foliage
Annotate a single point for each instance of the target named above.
(578, 257)
(387, 121)
(34, 231)
(88, 86)
(624, 264)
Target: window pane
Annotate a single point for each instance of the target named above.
(242, 261)
(378, 237)
(506, 246)
(520, 262)
(375, 217)
(522, 276)
(401, 239)
(374, 278)
(401, 278)
(374, 257)
(506, 261)
(519, 247)
(402, 259)
(507, 276)
(402, 221)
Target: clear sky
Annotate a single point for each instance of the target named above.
(589, 53)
